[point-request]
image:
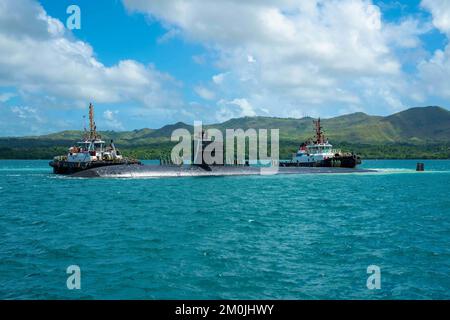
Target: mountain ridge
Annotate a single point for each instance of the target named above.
(403, 119)
(416, 127)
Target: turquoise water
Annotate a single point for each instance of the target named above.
(259, 237)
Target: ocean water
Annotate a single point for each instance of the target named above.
(258, 237)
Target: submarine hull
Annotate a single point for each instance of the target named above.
(155, 171)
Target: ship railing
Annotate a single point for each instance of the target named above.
(60, 158)
(336, 151)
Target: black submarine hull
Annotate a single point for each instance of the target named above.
(160, 171)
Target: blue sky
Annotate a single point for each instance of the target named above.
(150, 63)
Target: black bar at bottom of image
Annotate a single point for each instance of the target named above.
(220, 309)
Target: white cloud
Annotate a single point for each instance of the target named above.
(246, 107)
(406, 34)
(6, 96)
(111, 121)
(21, 119)
(43, 61)
(433, 73)
(275, 57)
(234, 109)
(286, 55)
(440, 9)
(204, 93)
(172, 33)
(345, 35)
(26, 113)
(218, 78)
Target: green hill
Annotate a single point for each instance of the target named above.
(413, 133)
(430, 124)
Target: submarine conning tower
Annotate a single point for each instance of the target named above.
(199, 144)
(201, 151)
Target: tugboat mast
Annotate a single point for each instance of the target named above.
(92, 126)
(320, 137)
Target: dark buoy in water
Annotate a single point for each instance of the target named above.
(420, 166)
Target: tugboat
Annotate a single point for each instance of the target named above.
(318, 152)
(89, 153)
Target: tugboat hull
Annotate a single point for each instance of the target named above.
(344, 161)
(66, 167)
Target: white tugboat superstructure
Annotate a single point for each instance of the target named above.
(314, 151)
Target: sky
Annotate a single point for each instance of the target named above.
(148, 63)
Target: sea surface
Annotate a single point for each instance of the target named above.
(254, 237)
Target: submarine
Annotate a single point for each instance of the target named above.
(199, 168)
(90, 159)
(166, 171)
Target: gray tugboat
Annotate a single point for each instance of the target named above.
(318, 152)
(91, 152)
